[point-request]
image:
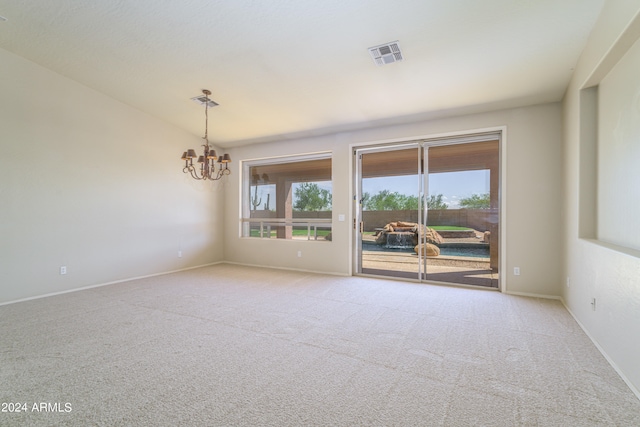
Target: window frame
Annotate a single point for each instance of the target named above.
(265, 224)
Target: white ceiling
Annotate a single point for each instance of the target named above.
(287, 68)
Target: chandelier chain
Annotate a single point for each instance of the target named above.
(206, 119)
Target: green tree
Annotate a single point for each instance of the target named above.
(309, 196)
(476, 201)
(435, 202)
(408, 202)
(386, 200)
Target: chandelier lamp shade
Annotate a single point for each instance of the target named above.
(211, 167)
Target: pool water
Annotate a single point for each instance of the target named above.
(479, 252)
(463, 251)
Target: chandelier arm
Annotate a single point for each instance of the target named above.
(222, 172)
(194, 173)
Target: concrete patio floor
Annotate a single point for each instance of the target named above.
(449, 269)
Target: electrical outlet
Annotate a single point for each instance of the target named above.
(299, 254)
(516, 271)
(593, 304)
(63, 269)
(179, 254)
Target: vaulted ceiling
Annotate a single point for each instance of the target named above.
(289, 68)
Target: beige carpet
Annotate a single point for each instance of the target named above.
(230, 345)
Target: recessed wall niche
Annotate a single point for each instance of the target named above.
(609, 159)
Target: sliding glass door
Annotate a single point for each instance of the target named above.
(389, 205)
(429, 210)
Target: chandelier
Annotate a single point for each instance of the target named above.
(208, 159)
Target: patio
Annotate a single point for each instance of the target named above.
(376, 259)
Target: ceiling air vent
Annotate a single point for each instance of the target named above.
(202, 99)
(386, 53)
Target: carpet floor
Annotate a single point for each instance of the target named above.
(236, 346)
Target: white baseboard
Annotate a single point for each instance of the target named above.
(106, 284)
(526, 294)
(604, 353)
(301, 270)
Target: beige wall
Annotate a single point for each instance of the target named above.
(594, 269)
(92, 184)
(532, 193)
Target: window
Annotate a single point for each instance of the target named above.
(287, 198)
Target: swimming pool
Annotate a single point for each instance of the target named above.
(472, 251)
(466, 251)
